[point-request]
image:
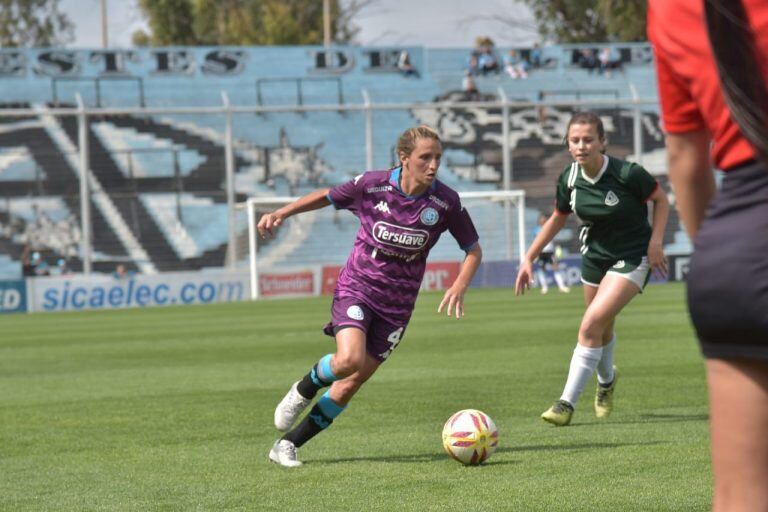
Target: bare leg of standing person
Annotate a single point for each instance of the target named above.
(738, 396)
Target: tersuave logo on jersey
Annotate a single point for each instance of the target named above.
(398, 236)
(382, 207)
(611, 199)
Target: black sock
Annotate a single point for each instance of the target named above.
(312, 424)
(310, 384)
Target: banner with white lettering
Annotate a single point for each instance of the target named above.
(13, 296)
(75, 293)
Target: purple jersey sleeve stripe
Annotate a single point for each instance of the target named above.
(328, 196)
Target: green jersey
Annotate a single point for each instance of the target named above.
(612, 207)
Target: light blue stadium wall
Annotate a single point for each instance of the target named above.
(332, 140)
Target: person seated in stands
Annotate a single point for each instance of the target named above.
(62, 268)
(515, 65)
(472, 63)
(41, 266)
(487, 61)
(588, 60)
(608, 60)
(405, 66)
(535, 56)
(469, 88)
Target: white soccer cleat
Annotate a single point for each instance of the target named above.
(283, 452)
(289, 408)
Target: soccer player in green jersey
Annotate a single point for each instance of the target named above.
(619, 248)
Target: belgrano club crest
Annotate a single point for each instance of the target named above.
(428, 216)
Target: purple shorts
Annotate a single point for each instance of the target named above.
(381, 337)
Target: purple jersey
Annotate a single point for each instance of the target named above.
(396, 233)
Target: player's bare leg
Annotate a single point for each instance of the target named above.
(328, 407)
(604, 303)
(349, 357)
(738, 397)
(348, 363)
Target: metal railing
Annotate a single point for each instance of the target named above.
(299, 81)
(89, 183)
(97, 85)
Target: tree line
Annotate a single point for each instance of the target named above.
(41, 23)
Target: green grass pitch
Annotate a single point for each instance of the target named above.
(171, 409)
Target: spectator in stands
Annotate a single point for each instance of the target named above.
(619, 249)
(405, 66)
(402, 213)
(28, 264)
(472, 64)
(535, 57)
(469, 88)
(515, 65)
(588, 60)
(608, 60)
(41, 266)
(62, 268)
(487, 61)
(713, 85)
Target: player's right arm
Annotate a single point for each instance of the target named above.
(269, 222)
(552, 227)
(690, 173)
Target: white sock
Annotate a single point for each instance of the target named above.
(542, 277)
(605, 366)
(583, 364)
(559, 280)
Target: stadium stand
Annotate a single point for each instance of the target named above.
(158, 198)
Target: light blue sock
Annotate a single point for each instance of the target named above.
(321, 373)
(325, 411)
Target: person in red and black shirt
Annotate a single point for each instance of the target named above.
(712, 67)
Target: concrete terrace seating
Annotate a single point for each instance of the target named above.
(164, 173)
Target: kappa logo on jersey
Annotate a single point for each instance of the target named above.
(429, 216)
(620, 264)
(382, 207)
(398, 236)
(355, 313)
(611, 199)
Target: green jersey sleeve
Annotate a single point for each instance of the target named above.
(640, 181)
(563, 192)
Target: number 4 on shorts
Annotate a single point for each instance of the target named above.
(393, 339)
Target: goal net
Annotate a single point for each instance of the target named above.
(325, 236)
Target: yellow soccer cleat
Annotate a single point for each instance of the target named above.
(604, 397)
(559, 414)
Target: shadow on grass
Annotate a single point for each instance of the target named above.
(410, 459)
(574, 446)
(663, 418)
(436, 456)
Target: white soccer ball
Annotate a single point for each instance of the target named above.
(470, 436)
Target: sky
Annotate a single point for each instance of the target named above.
(430, 23)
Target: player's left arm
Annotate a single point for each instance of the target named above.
(656, 257)
(454, 296)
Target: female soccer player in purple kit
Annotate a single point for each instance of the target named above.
(402, 211)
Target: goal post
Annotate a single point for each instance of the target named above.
(499, 217)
